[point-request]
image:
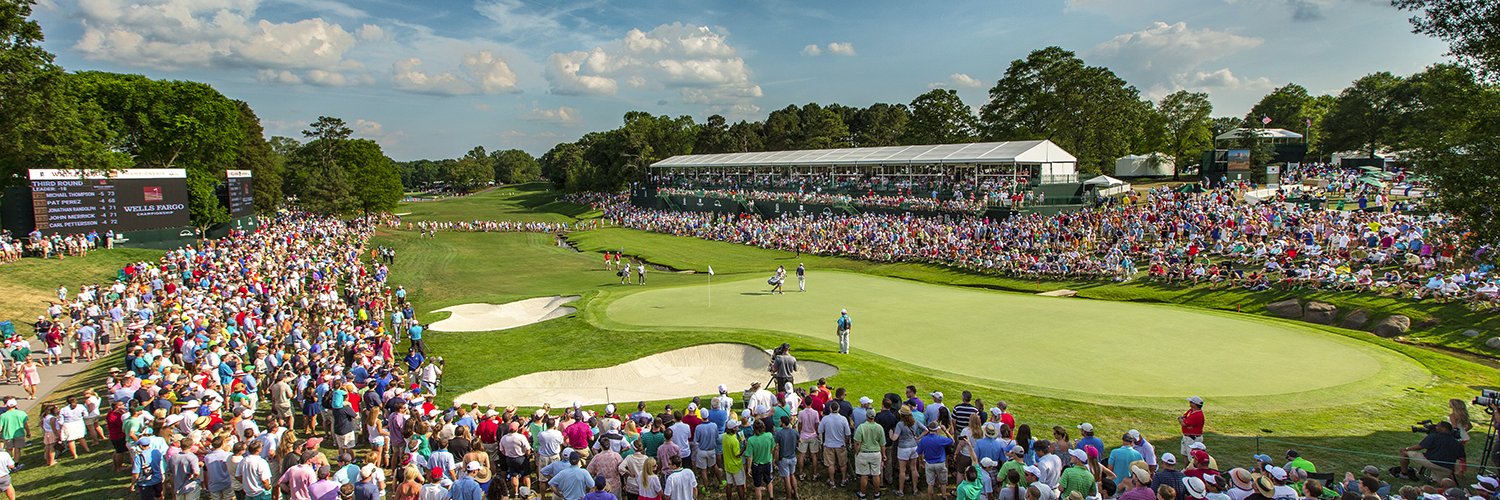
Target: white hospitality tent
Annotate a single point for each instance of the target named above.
(1259, 133)
(1051, 163)
(1141, 165)
(1105, 185)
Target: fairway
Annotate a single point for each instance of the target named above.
(1065, 345)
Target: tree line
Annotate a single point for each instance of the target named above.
(471, 171)
(98, 121)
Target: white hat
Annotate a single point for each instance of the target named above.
(732, 424)
(474, 465)
(987, 462)
(1031, 469)
(723, 389)
(937, 395)
(1196, 400)
(248, 413)
(367, 471)
(1044, 490)
(865, 401)
(995, 411)
(1079, 455)
(1134, 434)
(174, 418)
(1198, 446)
(843, 311)
(1486, 483)
(1169, 459)
(1195, 487)
(1276, 473)
(1086, 427)
(692, 407)
(609, 409)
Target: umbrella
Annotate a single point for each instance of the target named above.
(1372, 181)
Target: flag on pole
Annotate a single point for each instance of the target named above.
(710, 270)
(1265, 120)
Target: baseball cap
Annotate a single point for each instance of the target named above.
(1031, 469)
(1375, 471)
(575, 457)
(1195, 400)
(692, 407)
(995, 411)
(732, 424)
(1276, 472)
(1199, 455)
(367, 471)
(145, 441)
(1262, 458)
(1079, 455)
(723, 389)
(987, 462)
(474, 465)
(865, 401)
(1086, 427)
(1169, 459)
(1195, 487)
(1017, 450)
(1486, 483)
(938, 395)
(1198, 446)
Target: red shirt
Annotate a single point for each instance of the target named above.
(692, 420)
(577, 435)
(488, 431)
(115, 422)
(1192, 423)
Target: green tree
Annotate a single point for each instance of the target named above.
(1317, 108)
(940, 117)
(745, 137)
(783, 129)
(881, 124)
(559, 163)
(164, 124)
(1471, 28)
(713, 136)
(1223, 124)
(1052, 94)
(468, 174)
(515, 166)
(204, 207)
(257, 156)
(1285, 106)
(1365, 115)
(1188, 126)
(365, 165)
(822, 128)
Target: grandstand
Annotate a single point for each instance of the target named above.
(996, 178)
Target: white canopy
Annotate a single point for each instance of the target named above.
(1041, 152)
(1262, 133)
(1104, 181)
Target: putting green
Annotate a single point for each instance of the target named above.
(1050, 346)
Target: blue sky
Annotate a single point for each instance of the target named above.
(431, 79)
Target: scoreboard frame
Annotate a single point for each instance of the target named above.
(79, 201)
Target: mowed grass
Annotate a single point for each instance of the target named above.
(988, 334)
(29, 284)
(533, 202)
(1433, 323)
(1339, 432)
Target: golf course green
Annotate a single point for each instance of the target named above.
(1065, 345)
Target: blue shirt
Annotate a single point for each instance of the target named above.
(1120, 460)
(466, 489)
(152, 459)
(933, 448)
(572, 483)
(989, 448)
(706, 437)
(415, 332)
(1094, 441)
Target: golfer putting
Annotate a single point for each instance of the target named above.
(845, 325)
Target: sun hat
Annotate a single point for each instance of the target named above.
(991, 430)
(1140, 475)
(1195, 487)
(1241, 478)
(1265, 487)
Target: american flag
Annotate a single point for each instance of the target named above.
(1265, 120)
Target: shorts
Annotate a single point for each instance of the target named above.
(54, 351)
(786, 467)
(703, 459)
(119, 445)
(377, 441)
(50, 438)
(542, 461)
(86, 346)
(833, 456)
(735, 478)
(344, 441)
(760, 474)
(867, 463)
(809, 445)
(937, 474)
(905, 454)
(515, 466)
(5, 483)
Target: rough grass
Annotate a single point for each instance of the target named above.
(533, 202)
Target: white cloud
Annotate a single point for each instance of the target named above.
(1173, 47)
(370, 129)
(841, 48)
(833, 48)
(283, 77)
(562, 114)
(511, 16)
(697, 61)
(965, 81)
(172, 34)
(492, 73)
(371, 33)
(1223, 78)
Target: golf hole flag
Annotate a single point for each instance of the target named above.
(710, 270)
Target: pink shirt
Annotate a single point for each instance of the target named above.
(578, 435)
(296, 480)
(807, 423)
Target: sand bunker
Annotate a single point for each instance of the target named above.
(492, 317)
(682, 373)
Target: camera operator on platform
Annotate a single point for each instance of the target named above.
(1437, 452)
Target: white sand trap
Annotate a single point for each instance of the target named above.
(1060, 293)
(683, 373)
(492, 317)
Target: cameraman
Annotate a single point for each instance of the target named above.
(1437, 453)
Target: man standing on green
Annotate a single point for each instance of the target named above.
(761, 448)
(13, 428)
(869, 439)
(845, 325)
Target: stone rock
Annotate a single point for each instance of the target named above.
(1393, 326)
(1319, 312)
(1471, 333)
(1289, 308)
(1356, 319)
(1492, 343)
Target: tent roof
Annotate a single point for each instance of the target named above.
(1042, 151)
(1263, 133)
(1104, 180)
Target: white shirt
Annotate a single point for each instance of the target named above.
(6, 464)
(682, 484)
(681, 434)
(254, 473)
(1051, 468)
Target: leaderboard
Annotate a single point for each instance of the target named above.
(73, 202)
(241, 200)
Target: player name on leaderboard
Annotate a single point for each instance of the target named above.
(71, 202)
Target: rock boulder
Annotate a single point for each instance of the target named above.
(1492, 343)
(1356, 319)
(1393, 326)
(1319, 312)
(1289, 308)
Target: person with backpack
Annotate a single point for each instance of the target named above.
(845, 325)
